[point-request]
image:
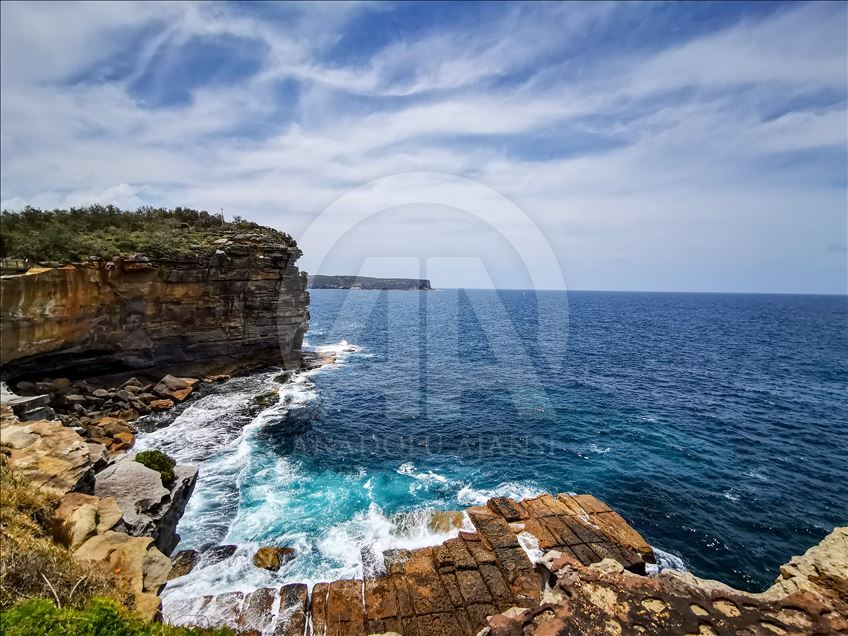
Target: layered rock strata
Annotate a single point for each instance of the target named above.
(248, 301)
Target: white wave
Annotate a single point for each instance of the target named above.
(597, 449)
(665, 561)
(530, 545)
(469, 496)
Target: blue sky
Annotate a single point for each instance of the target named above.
(644, 146)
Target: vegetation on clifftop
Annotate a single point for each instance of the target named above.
(77, 234)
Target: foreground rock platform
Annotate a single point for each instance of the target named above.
(590, 580)
(449, 589)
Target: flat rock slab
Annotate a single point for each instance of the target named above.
(451, 589)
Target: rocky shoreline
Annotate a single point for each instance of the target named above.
(551, 564)
(588, 576)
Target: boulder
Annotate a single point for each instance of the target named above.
(148, 507)
(49, 454)
(161, 405)
(170, 383)
(272, 557)
(183, 563)
(135, 560)
(180, 394)
(81, 516)
(218, 553)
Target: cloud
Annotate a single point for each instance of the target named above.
(711, 146)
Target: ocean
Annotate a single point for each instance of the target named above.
(716, 424)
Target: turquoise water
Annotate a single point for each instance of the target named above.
(716, 424)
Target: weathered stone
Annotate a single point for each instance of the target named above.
(217, 554)
(256, 613)
(132, 314)
(344, 608)
(134, 559)
(182, 563)
(149, 509)
(318, 600)
(161, 405)
(180, 394)
(506, 508)
(273, 557)
(48, 454)
(605, 599)
(291, 618)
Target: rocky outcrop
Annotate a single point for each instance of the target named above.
(454, 587)
(603, 598)
(247, 301)
(137, 562)
(81, 517)
(547, 565)
(47, 454)
(147, 506)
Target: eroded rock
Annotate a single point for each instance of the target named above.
(135, 560)
(272, 557)
(148, 507)
(48, 454)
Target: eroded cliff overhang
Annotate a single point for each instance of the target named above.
(247, 300)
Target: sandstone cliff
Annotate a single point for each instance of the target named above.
(247, 301)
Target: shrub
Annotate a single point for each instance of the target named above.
(160, 462)
(99, 618)
(32, 564)
(105, 231)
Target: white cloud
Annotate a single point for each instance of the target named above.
(691, 147)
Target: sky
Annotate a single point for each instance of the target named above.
(621, 146)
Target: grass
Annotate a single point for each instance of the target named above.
(32, 564)
(100, 617)
(69, 236)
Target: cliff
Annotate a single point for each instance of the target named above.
(318, 281)
(247, 300)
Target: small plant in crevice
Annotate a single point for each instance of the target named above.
(160, 462)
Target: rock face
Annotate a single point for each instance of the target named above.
(247, 301)
(148, 508)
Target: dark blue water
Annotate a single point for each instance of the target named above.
(716, 424)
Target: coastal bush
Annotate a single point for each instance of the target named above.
(160, 462)
(32, 564)
(99, 618)
(106, 231)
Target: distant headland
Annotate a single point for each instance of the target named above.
(317, 281)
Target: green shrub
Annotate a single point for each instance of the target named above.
(105, 232)
(101, 617)
(160, 462)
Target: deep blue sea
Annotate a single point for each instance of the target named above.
(717, 424)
